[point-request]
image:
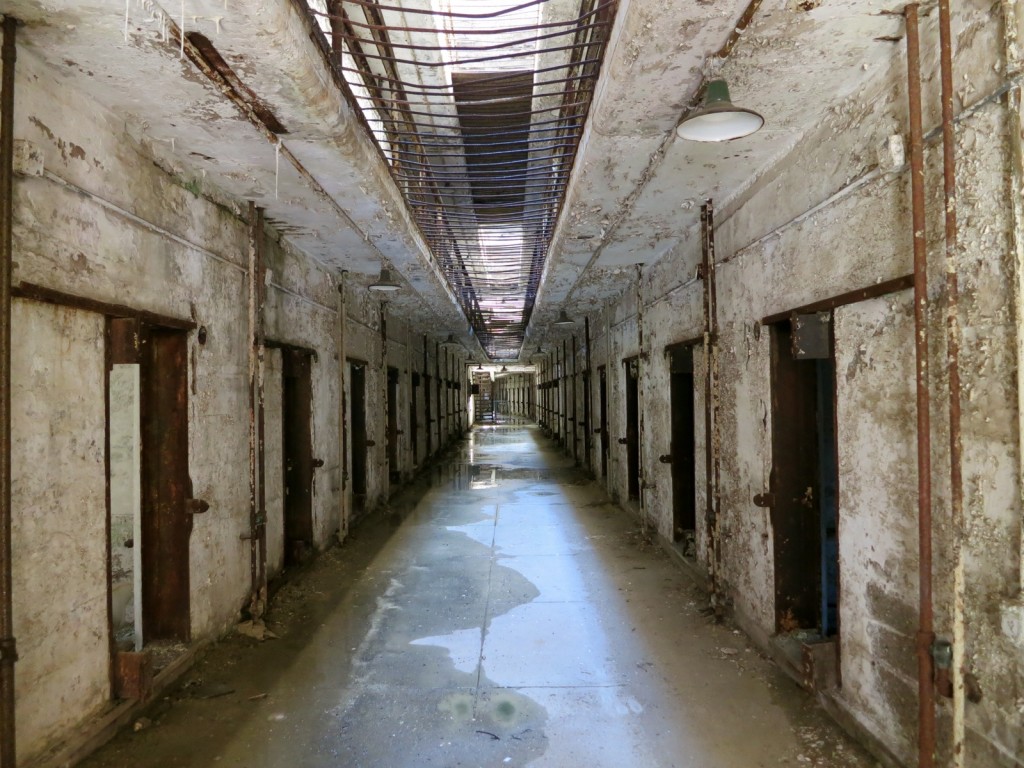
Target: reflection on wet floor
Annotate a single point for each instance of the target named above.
(505, 614)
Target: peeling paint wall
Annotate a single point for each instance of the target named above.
(59, 529)
(830, 217)
(104, 222)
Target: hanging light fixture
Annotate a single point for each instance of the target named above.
(564, 319)
(719, 119)
(385, 282)
(479, 367)
(504, 369)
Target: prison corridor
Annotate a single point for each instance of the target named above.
(502, 612)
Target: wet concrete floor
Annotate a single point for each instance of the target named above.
(505, 614)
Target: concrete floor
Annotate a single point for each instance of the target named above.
(509, 615)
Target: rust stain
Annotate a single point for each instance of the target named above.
(215, 61)
(42, 127)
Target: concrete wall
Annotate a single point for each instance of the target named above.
(773, 257)
(103, 222)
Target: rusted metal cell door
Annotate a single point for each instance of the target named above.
(296, 413)
(166, 523)
(394, 469)
(572, 418)
(357, 398)
(588, 419)
(428, 418)
(603, 412)
(633, 469)
(414, 423)
(683, 456)
(803, 492)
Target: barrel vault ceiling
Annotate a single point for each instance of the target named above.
(509, 159)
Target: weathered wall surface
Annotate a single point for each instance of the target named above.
(59, 533)
(774, 257)
(104, 222)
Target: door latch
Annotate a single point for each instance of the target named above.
(317, 463)
(196, 506)
(665, 458)
(765, 499)
(623, 440)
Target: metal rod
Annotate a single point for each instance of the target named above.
(343, 522)
(956, 482)
(710, 511)
(8, 646)
(255, 235)
(447, 14)
(475, 48)
(512, 80)
(925, 633)
(457, 32)
(261, 457)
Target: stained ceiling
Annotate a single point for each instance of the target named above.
(508, 159)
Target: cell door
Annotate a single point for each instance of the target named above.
(683, 458)
(633, 468)
(588, 418)
(393, 432)
(804, 476)
(414, 423)
(148, 474)
(357, 420)
(603, 413)
(296, 417)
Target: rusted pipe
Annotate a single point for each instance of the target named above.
(8, 647)
(956, 482)
(257, 528)
(261, 457)
(925, 632)
(712, 437)
(343, 513)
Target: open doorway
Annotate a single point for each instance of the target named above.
(632, 439)
(394, 468)
(149, 484)
(602, 378)
(804, 477)
(297, 452)
(357, 435)
(682, 456)
(414, 423)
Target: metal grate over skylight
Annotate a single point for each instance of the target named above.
(478, 107)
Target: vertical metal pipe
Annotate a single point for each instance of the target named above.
(343, 510)
(925, 633)
(956, 483)
(261, 455)
(256, 603)
(710, 508)
(8, 647)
